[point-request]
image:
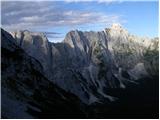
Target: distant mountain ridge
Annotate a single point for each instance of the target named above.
(88, 74)
(86, 61)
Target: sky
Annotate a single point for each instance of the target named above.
(56, 18)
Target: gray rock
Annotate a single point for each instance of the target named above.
(87, 63)
(25, 91)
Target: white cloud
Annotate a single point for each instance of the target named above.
(29, 15)
(31, 19)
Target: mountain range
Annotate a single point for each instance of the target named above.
(105, 74)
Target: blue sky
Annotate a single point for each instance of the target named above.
(56, 18)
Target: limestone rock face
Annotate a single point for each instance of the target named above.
(89, 63)
(36, 45)
(25, 91)
(151, 57)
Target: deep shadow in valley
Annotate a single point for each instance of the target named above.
(136, 101)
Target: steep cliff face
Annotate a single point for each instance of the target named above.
(112, 58)
(36, 45)
(26, 92)
(89, 63)
(151, 58)
(88, 74)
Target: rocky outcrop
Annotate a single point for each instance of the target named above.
(89, 63)
(26, 92)
(36, 45)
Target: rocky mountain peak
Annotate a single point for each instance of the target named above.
(89, 65)
(25, 35)
(116, 26)
(86, 63)
(116, 30)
